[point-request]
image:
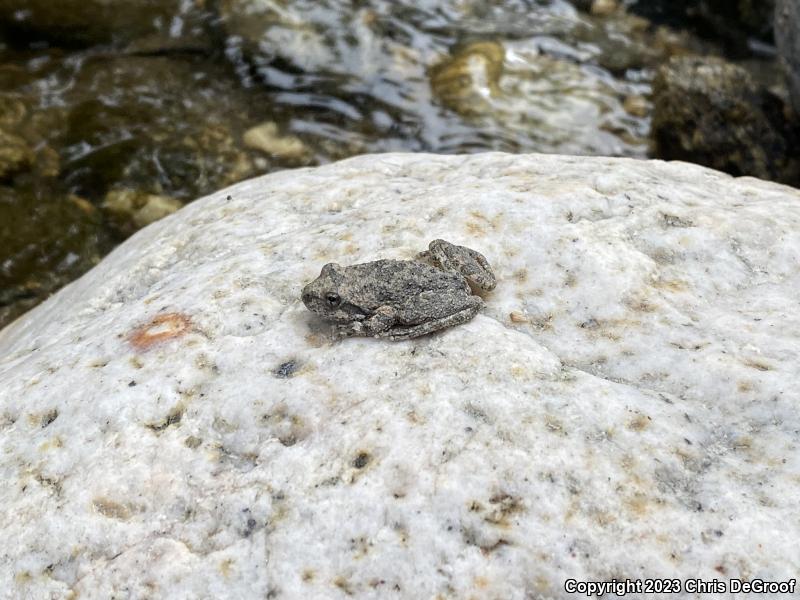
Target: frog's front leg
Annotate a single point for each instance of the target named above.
(470, 263)
(381, 321)
(474, 304)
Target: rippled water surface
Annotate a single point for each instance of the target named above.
(110, 128)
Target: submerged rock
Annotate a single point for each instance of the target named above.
(166, 124)
(46, 240)
(711, 112)
(24, 137)
(268, 138)
(180, 417)
(787, 37)
(15, 155)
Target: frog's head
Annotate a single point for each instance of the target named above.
(326, 296)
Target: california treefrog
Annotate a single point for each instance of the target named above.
(402, 299)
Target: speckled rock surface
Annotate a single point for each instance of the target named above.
(176, 424)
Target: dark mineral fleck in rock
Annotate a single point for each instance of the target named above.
(286, 370)
(361, 460)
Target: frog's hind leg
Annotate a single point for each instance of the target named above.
(406, 333)
(377, 324)
(470, 263)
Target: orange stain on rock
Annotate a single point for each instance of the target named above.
(160, 329)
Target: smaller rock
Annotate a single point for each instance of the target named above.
(26, 132)
(636, 106)
(268, 139)
(518, 316)
(48, 162)
(83, 204)
(603, 8)
(134, 209)
(12, 110)
(15, 155)
(469, 77)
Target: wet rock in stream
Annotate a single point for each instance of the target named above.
(787, 37)
(711, 112)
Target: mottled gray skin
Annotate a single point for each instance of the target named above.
(401, 299)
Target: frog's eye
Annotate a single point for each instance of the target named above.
(333, 298)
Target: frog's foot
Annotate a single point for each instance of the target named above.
(470, 263)
(349, 330)
(406, 333)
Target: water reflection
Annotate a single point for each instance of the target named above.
(178, 107)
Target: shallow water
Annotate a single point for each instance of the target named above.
(167, 114)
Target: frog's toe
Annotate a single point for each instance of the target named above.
(350, 329)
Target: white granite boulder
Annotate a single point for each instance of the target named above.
(176, 424)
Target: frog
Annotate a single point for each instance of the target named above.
(402, 299)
